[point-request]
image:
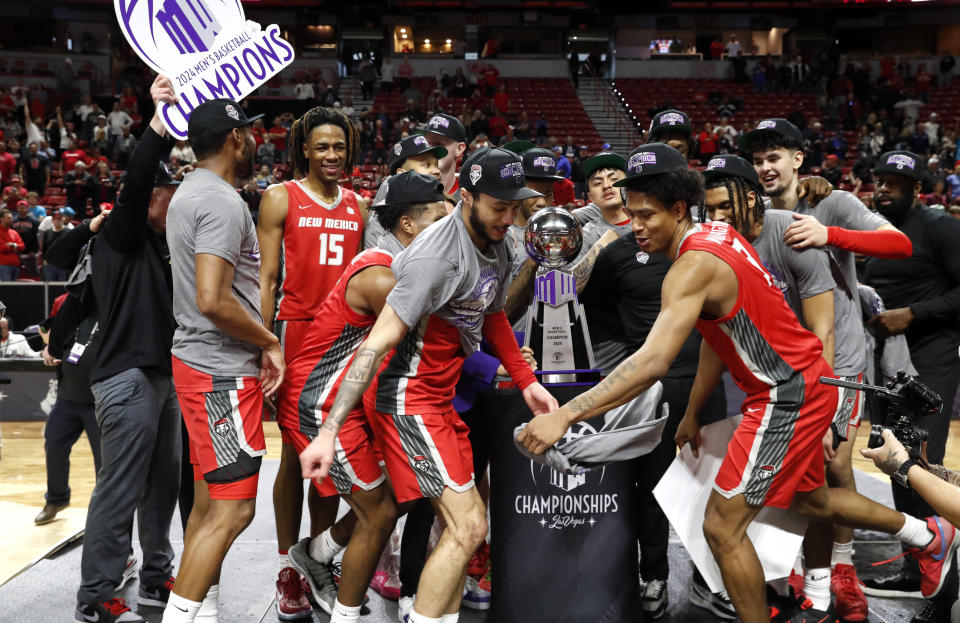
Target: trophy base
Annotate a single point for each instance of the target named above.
(568, 378)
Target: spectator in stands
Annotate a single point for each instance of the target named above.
(304, 90)
(478, 124)
(954, 211)
(480, 140)
(733, 47)
(728, 135)
(77, 186)
(875, 143)
(521, 129)
(38, 211)
(953, 183)
(7, 104)
(831, 170)
(367, 72)
(278, 136)
(459, 84)
(947, 63)
(13, 193)
(934, 174)
(250, 193)
(103, 186)
(48, 151)
(759, 77)
(542, 128)
(8, 162)
(13, 344)
(11, 246)
(264, 178)
(11, 127)
(404, 74)
(937, 195)
(65, 130)
(58, 228)
(502, 99)
(911, 108)
(932, 129)
(799, 75)
(70, 156)
(266, 154)
(923, 80)
(387, 75)
(491, 76)
(918, 141)
(709, 142)
(564, 167)
(183, 153)
(497, 125)
(101, 135)
(126, 143)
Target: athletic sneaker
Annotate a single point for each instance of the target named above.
(655, 599)
(155, 596)
(480, 561)
(806, 613)
(318, 575)
(129, 572)
(387, 584)
(717, 603)
(109, 611)
(934, 559)
(292, 602)
(475, 597)
(486, 582)
(405, 607)
(903, 583)
(848, 598)
(795, 582)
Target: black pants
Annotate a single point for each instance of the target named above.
(654, 529)
(67, 420)
(416, 530)
(185, 497)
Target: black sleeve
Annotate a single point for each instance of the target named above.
(65, 324)
(943, 236)
(65, 250)
(125, 228)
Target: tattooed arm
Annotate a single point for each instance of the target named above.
(581, 270)
(316, 458)
(684, 293)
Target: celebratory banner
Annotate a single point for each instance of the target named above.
(206, 47)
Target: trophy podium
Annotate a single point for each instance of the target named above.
(556, 325)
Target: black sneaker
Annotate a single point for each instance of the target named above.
(318, 575)
(717, 603)
(655, 599)
(903, 583)
(932, 611)
(806, 613)
(156, 596)
(109, 611)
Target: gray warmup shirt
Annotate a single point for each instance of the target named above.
(798, 274)
(594, 230)
(443, 273)
(515, 237)
(843, 209)
(373, 229)
(206, 215)
(588, 214)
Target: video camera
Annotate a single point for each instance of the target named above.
(907, 399)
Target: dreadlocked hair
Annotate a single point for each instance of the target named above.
(300, 132)
(737, 189)
(389, 215)
(680, 185)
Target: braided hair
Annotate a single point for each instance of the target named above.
(737, 189)
(300, 132)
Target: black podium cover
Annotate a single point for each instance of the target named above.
(563, 547)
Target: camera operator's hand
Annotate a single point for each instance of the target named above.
(888, 457)
(891, 322)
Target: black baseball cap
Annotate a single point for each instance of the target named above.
(905, 163)
(413, 146)
(603, 160)
(447, 125)
(215, 116)
(518, 147)
(539, 164)
(727, 165)
(670, 121)
(163, 177)
(652, 159)
(496, 172)
(778, 127)
(412, 187)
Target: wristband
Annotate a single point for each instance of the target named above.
(900, 476)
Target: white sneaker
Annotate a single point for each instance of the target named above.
(129, 572)
(475, 597)
(655, 599)
(46, 405)
(405, 607)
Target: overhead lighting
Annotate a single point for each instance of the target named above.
(449, 41)
(426, 41)
(403, 36)
(403, 30)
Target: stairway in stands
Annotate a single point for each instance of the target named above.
(350, 89)
(608, 116)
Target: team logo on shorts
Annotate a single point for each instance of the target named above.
(232, 112)
(475, 172)
(764, 472)
(421, 463)
(642, 257)
(223, 427)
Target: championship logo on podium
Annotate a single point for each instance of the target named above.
(556, 326)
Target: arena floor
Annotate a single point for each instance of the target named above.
(45, 588)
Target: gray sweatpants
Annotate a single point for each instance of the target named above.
(139, 421)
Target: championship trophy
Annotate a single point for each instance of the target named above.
(556, 325)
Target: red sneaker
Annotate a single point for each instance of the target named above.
(292, 603)
(480, 562)
(849, 600)
(796, 584)
(934, 559)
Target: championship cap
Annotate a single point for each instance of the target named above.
(218, 115)
(496, 172)
(727, 165)
(539, 164)
(447, 125)
(905, 163)
(413, 146)
(518, 147)
(603, 160)
(670, 121)
(413, 187)
(163, 177)
(652, 159)
(779, 127)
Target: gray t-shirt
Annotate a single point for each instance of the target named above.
(515, 237)
(798, 274)
(843, 209)
(206, 215)
(594, 230)
(443, 273)
(373, 229)
(588, 213)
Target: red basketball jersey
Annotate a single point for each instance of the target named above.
(318, 243)
(336, 332)
(760, 340)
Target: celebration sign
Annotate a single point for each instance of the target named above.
(207, 48)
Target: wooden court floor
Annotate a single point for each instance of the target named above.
(23, 483)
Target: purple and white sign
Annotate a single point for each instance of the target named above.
(207, 48)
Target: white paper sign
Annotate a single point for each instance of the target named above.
(683, 491)
(206, 47)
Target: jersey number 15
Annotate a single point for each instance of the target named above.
(331, 249)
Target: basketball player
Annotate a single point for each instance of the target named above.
(775, 458)
(224, 360)
(344, 319)
(451, 285)
(309, 229)
(448, 132)
(842, 224)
